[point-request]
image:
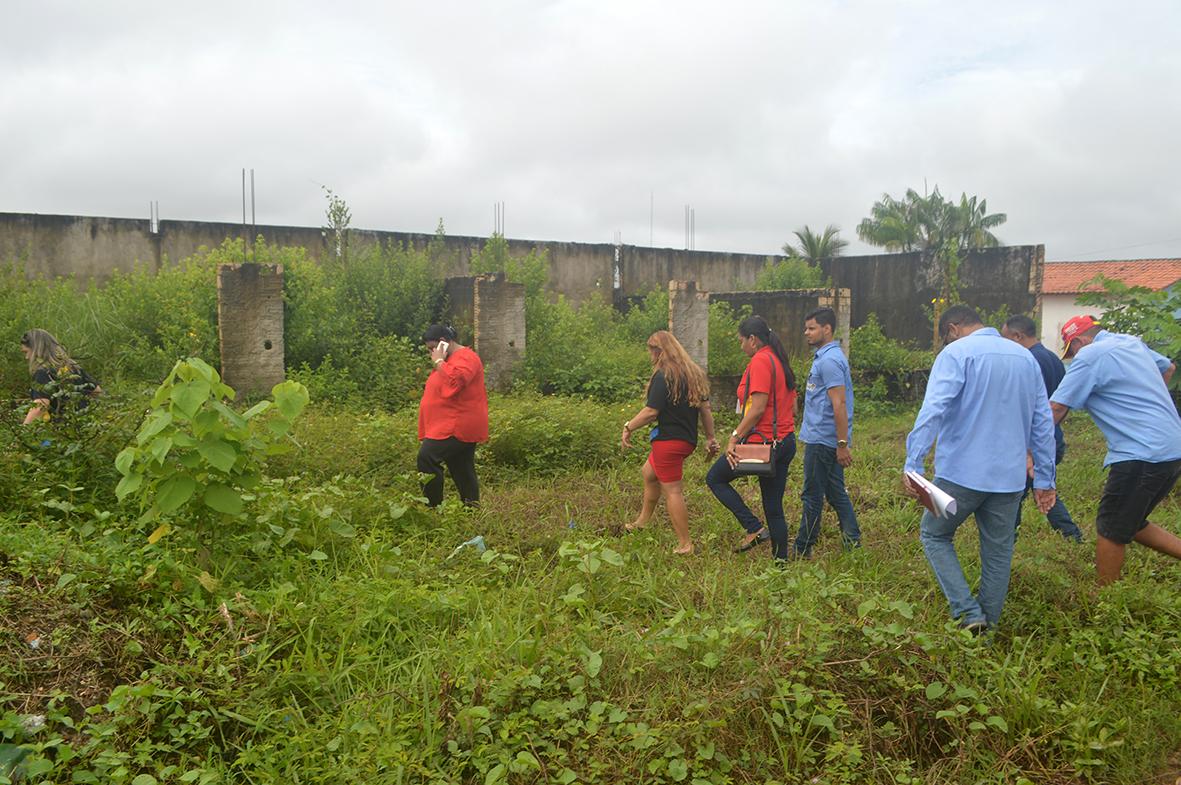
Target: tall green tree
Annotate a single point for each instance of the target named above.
(812, 247)
(936, 226)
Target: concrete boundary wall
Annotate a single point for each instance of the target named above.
(785, 311)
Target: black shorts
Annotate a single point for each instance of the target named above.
(1133, 490)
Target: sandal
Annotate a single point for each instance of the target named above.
(759, 537)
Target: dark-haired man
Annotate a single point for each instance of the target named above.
(827, 431)
(1123, 384)
(986, 409)
(1022, 330)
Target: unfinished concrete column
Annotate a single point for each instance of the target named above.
(498, 318)
(250, 326)
(688, 319)
(841, 301)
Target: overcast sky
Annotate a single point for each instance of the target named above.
(764, 116)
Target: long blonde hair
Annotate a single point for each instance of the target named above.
(47, 352)
(683, 376)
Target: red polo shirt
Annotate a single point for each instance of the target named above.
(758, 375)
(455, 402)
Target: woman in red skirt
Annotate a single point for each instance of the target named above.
(678, 394)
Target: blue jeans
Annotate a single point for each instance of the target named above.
(824, 478)
(994, 521)
(771, 491)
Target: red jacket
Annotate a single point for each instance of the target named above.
(455, 402)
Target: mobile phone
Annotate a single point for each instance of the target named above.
(443, 347)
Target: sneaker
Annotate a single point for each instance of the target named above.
(976, 628)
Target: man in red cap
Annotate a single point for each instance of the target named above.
(1123, 384)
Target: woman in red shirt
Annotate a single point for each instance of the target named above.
(678, 393)
(767, 400)
(452, 417)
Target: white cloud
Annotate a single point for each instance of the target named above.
(763, 115)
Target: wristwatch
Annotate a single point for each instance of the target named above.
(842, 443)
(626, 423)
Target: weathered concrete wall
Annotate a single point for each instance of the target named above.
(52, 246)
(897, 287)
(499, 308)
(250, 325)
(688, 319)
(644, 269)
(785, 312)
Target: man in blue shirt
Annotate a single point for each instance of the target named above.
(827, 431)
(1023, 330)
(1124, 385)
(986, 408)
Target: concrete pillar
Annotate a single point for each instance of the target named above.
(498, 317)
(841, 301)
(250, 326)
(688, 319)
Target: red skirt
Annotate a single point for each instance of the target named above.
(668, 457)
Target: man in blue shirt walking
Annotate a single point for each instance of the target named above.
(986, 410)
(1023, 330)
(827, 431)
(1124, 385)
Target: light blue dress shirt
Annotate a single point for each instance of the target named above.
(986, 404)
(1118, 380)
(829, 369)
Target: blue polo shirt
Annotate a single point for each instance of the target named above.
(986, 404)
(1118, 380)
(829, 369)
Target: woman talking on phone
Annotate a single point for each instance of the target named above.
(452, 417)
(766, 400)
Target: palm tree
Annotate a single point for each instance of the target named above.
(814, 247)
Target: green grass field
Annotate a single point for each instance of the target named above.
(335, 634)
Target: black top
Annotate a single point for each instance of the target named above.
(73, 386)
(1052, 372)
(676, 420)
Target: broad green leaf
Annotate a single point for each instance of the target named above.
(291, 397)
(65, 579)
(823, 720)
(144, 779)
(594, 663)
(206, 422)
(207, 581)
(999, 723)
(203, 369)
(232, 416)
(153, 425)
(220, 453)
(256, 409)
(159, 448)
(611, 557)
(174, 492)
(189, 396)
(190, 460)
(866, 607)
(936, 689)
(678, 769)
(495, 774)
(317, 556)
(279, 427)
(129, 484)
(124, 459)
(223, 498)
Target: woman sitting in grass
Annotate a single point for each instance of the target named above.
(58, 382)
(678, 393)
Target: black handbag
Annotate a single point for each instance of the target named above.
(757, 459)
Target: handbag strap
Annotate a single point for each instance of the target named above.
(774, 400)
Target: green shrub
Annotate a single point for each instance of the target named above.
(884, 369)
(554, 434)
(791, 273)
(726, 357)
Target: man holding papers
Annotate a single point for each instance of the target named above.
(986, 409)
(1122, 383)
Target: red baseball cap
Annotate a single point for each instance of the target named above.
(1074, 327)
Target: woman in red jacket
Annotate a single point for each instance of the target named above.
(452, 417)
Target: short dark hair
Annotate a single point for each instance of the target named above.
(1020, 323)
(823, 316)
(439, 332)
(959, 315)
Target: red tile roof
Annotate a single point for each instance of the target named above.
(1068, 277)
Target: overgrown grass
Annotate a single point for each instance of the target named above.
(344, 638)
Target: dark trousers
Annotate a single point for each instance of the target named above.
(824, 478)
(771, 491)
(459, 458)
(1058, 516)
